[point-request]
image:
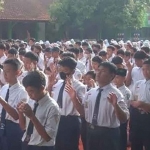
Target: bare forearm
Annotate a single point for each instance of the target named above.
(128, 79)
(10, 110)
(145, 106)
(40, 129)
(121, 115)
(78, 105)
(22, 121)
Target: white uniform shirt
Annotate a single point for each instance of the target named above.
(17, 93)
(68, 107)
(81, 67)
(136, 75)
(110, 59)
(48, 115)
(141, 91)
(83, 60)
(126, 93)
(106, 116)
(2, 59)
(20, 78)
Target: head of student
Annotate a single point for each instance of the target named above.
(139, 57)
(11, 69)
(96, 61)
(12, 53)
(35, 85)
(30, 60)
(110, 50)
(118, 61)
(67, 66)
(106, 73)
(146, 69)
(37, 49)
(120, 77)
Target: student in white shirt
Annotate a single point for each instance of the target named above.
(103, 54)
(140, 111)
(69, 127)
(12, 53)
(11, 94)
(104, 109)
(110, 52)
(38, 51)
(96, 61)
(80, 65)
(135, 73)
(120, 83)
(2, 54)
(43, 117)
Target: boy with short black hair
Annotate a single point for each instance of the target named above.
(11, 94)
(41, 123)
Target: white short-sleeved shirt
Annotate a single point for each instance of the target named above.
(126, 93)
(141, 91)
(48, 115)
(17, 93)
(68, 107)
(2, 59)
(106, 116)
(81, 67)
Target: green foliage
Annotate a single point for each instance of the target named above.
(103, 14)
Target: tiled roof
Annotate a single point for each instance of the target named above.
(25, 10)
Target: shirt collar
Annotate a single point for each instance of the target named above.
(105, 87)
(44, 99)
(14, 86)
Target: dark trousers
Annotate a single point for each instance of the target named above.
(101, 138)
(139, 130)
(84, 133)
(29, 147)
(123, 136)
(68, 133)
(12, 138)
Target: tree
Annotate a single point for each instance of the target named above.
(100, 14)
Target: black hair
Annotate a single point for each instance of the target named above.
(32, 47)
(35, 79)
(111, 47)
(98, 46)
(7, 46)
(75, 51)
(15, 63)
(32, 56)
(69, 62)
(47, 49)
(2, 46)
(13, 51)
(110, 66)
(127, 53)
(102, 53)
(140, 55)
(80, 50)
(146, 49)
(85, 44)
(117, 46)
(100, 41)
(120, 52)
(32, 39)
(92, 74)
(117, 60)
(22, 45)
(15, 46)
(38, 47)
(55, 49)
(134, 49)
(78, 43)
(89, 50)
(97, 59)
(68, 54)
(22, 51)
(43, 46)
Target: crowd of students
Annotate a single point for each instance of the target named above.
(53, 94)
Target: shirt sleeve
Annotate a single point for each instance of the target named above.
(51, 124)
(122, 104)
(81, 93)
